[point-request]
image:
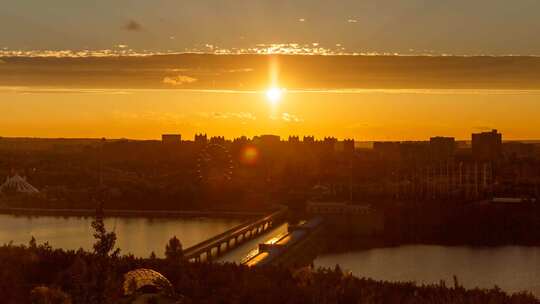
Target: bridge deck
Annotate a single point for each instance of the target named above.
(196, 250)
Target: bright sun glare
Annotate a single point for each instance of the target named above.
(274, 95)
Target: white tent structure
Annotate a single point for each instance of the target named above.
(17, 184)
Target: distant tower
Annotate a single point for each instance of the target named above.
(487, 146)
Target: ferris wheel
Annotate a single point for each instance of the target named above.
(215, 165)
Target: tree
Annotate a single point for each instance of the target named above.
(105, 241)
(173, 250)
(103, 248)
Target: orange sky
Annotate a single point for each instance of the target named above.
(360, 114)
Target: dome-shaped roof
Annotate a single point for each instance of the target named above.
(144, 278)
(17, 184)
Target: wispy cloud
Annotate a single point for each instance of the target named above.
(27, 90)
(133, 26)
(291, 118)
(179, 80)
(483, 128)
(229, 115)
(287, 117)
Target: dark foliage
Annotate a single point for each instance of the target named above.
(71, 276)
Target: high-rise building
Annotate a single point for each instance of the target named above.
(442, 148)
(201, 139)
(487, 146)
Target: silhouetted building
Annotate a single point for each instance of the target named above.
(345, 146)
(171, 139)
(242, 140)
(414, 151)
(518, 150)
(294, 139)
(201, 139)
(309, 139)
(269, 139)
(442, 148)
(217, 140)
(487, 146)
(470, 180)
(329, 144)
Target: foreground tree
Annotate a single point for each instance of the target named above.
(105, 253)
(105, 241)
(173, 250)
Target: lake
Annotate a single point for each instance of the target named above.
(139, 236)
(512, 268)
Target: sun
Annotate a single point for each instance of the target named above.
(274, 95)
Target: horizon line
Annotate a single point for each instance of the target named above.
(112, 53)
(282, 138)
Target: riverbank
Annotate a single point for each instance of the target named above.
(78, 276)
(335, 245)
(129, 213)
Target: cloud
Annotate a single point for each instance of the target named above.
(290, 118)
(244, 70)
(133, 26)
(179, 80)
(229, 115)
(30, 90)
(483, 128)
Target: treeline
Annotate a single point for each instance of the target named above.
(452, 223)
(41, 274)
(79, 277)
(440, 223)
(471, 224)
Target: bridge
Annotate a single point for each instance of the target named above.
(220, 244)
(292, 249)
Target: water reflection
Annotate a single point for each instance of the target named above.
(139, 236)
(512, 268)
